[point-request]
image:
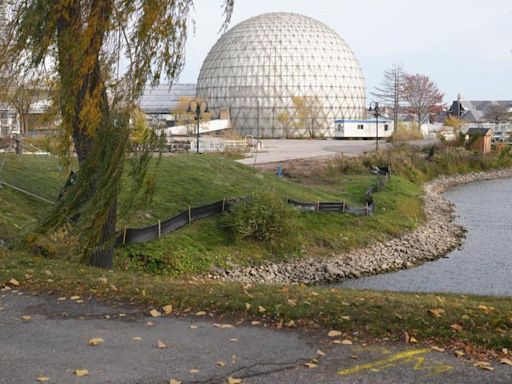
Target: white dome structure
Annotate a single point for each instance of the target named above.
(264, 68)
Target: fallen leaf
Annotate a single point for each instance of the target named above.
(506, 361)
(48, 273)
(136, 338)
(43, 379)
(456, 327)
(161, 344)
(193, 327)
(334, 333)
(200, 313)
(314, 293)
(194, 370)
(232, 380)
(14, 282)
(485, 308)
(413, 340)
(155, 313)
(103, 280)
(248, 306)
(438, 349)
(255, 322)
(346, 342)
(345, 318)
(320, 353)
(505, 351)
(484, 365)
(459, 353)
(311, 365)
(74, 297)
(26, 318)
(61, 299)
(150, 324)
(291, 324)
(96, 341)
(292, 303)
(436, 312)
(233, 359)
(173, 381)
(81, 372)
(167, 309)
(222, 326)
(221, 364)
(233, 340)
(261, 309)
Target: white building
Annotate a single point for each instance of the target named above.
(363, 129)
(258, 67)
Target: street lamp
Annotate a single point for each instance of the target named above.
(198, 111)
(374, 107)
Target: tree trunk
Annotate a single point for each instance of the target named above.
(82, 82)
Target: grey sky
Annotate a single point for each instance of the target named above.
(463, 45)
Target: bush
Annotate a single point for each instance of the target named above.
(266, 218)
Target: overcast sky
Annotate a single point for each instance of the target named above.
(465, 46)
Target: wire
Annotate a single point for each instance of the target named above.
(26, 192)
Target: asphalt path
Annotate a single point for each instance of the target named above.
(275, 150)
(53, 342)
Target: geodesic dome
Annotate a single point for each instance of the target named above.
(261, 65)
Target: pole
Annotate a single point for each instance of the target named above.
(198, 114)
(377, 131)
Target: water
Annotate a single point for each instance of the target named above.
(482, 266)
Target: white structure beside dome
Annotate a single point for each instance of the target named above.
(261, 64)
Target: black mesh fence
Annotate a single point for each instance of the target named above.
(155, 231)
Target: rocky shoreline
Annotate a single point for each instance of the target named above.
(433, 240)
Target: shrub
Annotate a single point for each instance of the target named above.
(265, 218)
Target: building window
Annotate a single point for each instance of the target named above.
(360, 126)
(386, 127)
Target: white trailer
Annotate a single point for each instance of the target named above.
(363, 129)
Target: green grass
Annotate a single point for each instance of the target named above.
(363, 316)
(196, 180)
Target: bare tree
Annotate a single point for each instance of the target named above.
(422, 96)
(309, 115)
(390, 90)
(498, 113)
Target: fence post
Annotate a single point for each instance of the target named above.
(343, 207)
(189, 214)
(367, 214)
(223, 204)
(318, 206)
(124, 236)
(159, 229)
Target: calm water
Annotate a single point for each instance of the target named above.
(483, 265)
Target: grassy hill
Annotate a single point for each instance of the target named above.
(194, 180)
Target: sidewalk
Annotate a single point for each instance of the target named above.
(53, 343)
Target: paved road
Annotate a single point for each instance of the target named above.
(282, 150)
(54, 343)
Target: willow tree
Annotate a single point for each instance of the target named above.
(102, 54)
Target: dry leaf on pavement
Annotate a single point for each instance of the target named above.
(26, 318)
(506, 361)
(167, 309)
(232, 380)
(155, 313)
(160, 344)
(200, 313)
(334, 333)
(14, 282)
(43, 379)
(81, 372)
(96, 341)
(173, 381)
(311, 365)
(438, 349)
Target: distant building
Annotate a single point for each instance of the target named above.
(481, 138)
(471, 111)
(159, 102)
